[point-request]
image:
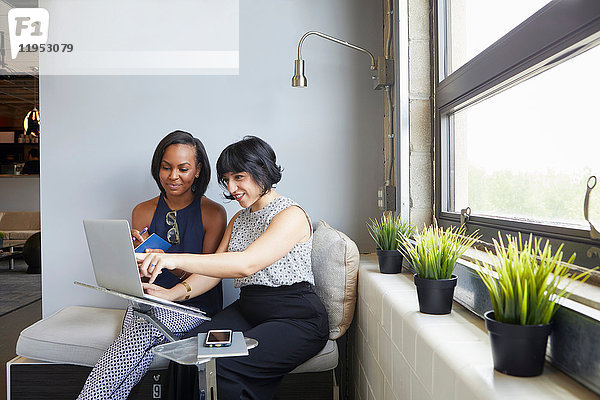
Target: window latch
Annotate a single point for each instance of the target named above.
(465, 214)
(591, 183)
(593, 252)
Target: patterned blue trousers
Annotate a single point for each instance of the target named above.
(128, 358)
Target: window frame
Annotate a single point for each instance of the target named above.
(503, 64)
(553, 34)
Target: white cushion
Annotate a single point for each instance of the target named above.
(75, 335)
(326, 360)
(80, 335)
(335, 260)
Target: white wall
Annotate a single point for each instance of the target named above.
(20, 193)
(100, 131)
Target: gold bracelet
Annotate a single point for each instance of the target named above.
(188, 288)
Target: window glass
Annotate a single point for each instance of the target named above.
(527, 153)
(476, 24)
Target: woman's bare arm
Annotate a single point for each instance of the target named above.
(214, 220)
(199, 283)
(287, 228)
(142, 214)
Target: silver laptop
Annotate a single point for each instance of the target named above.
(113, 259)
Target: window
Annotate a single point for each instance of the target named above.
(517, 132)
(473, 25)
(527, 153)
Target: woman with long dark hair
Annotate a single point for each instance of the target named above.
(191, 223)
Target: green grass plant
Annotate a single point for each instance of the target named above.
(530, 280)
(436, 251)
(389, 232)
(2, 235)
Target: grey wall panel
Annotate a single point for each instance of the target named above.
(20, 193)
(100, 131)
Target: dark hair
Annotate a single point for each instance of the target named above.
(180, 137)
(254, 156)
(34, 153)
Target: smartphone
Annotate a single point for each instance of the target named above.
(218, 338)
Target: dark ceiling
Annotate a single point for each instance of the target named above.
(18, 95)
(18, 92)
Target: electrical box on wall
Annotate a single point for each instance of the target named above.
(386, 198)
(384, 74)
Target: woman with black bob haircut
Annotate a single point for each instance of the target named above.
(191, 223)
(266, 248)
(253, 156)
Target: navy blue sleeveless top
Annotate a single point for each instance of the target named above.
(191, 238)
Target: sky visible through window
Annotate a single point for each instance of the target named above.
(476, 24)
(530, 150)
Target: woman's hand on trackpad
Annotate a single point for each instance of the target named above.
(158, 291)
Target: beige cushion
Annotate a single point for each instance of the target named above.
(335, 261)
(75, 335)
(19, 235)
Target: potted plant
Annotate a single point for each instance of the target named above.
(433, 258)
(525, 284)
(2, 236)
(389, 234)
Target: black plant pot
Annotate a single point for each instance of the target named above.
(517, 350)
(390, 261)
(435, 296)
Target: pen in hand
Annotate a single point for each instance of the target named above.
(141, 233)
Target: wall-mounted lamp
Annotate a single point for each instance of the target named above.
(31, 123)
(382, 74)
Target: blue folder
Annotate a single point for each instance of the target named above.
(153, 242)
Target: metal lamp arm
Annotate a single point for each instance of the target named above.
(338, 41)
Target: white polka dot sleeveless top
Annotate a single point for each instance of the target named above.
(294, 267)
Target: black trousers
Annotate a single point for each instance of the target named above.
(291, 326)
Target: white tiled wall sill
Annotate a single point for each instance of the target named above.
(400, 353)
